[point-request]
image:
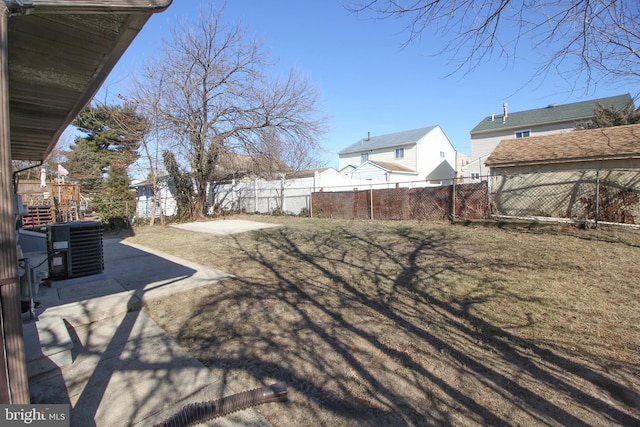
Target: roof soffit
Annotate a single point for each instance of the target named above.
(59, 56)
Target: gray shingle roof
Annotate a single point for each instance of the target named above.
(443, 171)
(620, 142)
(554, 113)
(389, 140)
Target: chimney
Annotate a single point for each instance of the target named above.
(505, 113)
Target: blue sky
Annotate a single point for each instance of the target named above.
(369, 82)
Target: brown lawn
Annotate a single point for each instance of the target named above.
(417, 323)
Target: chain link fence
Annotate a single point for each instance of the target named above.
(608, 196)
(605, 196)
(426, 203)
(580, 195)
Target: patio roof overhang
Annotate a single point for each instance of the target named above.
(59, 53)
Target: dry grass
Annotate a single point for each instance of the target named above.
(412, 323)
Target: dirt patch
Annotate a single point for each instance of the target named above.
(416, 323)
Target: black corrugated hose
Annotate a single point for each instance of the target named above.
(195, 413)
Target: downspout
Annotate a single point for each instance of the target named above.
(14, 386)
(14, 180)
(198, 413)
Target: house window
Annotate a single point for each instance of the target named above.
(442, 154)
(475, 176)
(399, 153)
(523, 134)
(364, 157)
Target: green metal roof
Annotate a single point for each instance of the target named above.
(553, 113)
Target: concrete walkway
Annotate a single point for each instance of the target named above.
(92, 347)
(224, 226)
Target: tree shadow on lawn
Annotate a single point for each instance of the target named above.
(363, 330)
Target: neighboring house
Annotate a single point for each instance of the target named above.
(462, 160)
(377, 171)
(550, 120)
(605, 148)
(315, 178)
(235, 166)
(567, 175)
(164, 199)
(424, 154)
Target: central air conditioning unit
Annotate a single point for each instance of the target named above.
(75, 250)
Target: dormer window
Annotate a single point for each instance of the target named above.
(523, 134)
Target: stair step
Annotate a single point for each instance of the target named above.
(47, 345)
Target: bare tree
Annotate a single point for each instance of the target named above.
(147, 98)
(596, 39)
(217, 97)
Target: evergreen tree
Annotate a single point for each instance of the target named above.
(99, 160)
(117, 199)
(86, 165)
(608, 116)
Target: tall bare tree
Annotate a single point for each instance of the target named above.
(147, 98)
(217, 97)
(598, 39)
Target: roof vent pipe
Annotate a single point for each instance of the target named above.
(368, 136)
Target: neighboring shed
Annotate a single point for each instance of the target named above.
(164, 199)
(582, 174)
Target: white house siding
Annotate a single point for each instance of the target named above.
(429, 149)
(410, 157)
(165, 201)
(371, 172)
(348, 159)
(387, 154)
(290, 195)
(475, 170)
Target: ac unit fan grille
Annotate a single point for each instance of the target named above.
(85, 250)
